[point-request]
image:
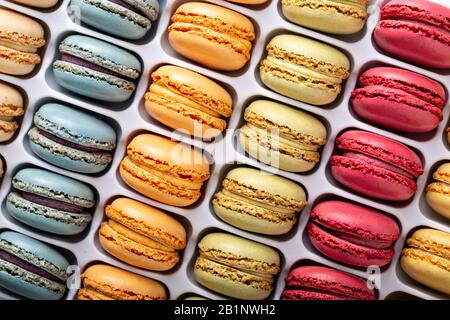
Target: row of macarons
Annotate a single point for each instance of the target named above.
(403, 28)
(286, 138)
(227, 264)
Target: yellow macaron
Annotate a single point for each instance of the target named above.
(20, 38)
(214, 36)
(104, 282)
(11, 107)
(427, 259)
(141, 235)
(438, 192)
(164, 170)
(186, 100)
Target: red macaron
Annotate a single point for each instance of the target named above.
(353, 234)
(375, 166)
(399, 99)
(417, 31)
(323, 283)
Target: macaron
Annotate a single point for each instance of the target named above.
(30, 268)
(438, 191)
(283, 137)
(22, 36)
(304, 69)
(324, 283)
(38, 3)
(236, 267)
(11, 107)
(399, 99)
(96, 69)
(427, 259)
(248, 1)
(104, 282)
(167, 171)
(188, 101)
(72, 139)
(194, 297)
(50, 202)
(332, 16)
(375, 166)
(353, 234)
(259, 201)
(211, 35)
(141, 235)
(415, 31)
(130, 19)
(2, 170)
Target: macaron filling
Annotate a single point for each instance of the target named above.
(127, 6)
(67, 143)
(8, 257)
(55, 204)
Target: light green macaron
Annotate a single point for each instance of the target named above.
(236, 267)
(304, 69)
(281, 136)
(259, 201)
(332, 16)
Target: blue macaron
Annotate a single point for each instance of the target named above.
(31, 268)
(130, 19)
(72, 139)
(96, 69)
(50, 202)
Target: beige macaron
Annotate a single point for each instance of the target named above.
(11, 107)
(427, 259)
(21, 37)
(281, 136)
(438, 191)
(38, 3)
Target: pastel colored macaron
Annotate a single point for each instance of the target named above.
(11, 107)
(416, 31)
(167, 171)
(30, 268)
(304, 69)
(258, 201)
(281, 136)
(324, 283)
(72, 139)
(130, 19)
(141, 235)
(96, 69)
(193, 297)
(399, 99)
(50, 202)
(211, 35)
(438, 191)
(426, 259)
(236, 267)
(376, 166)
(332, 16)
(104, 282)
(22, 36)
(38, 3)
(188, 101)
(353, 234)
(2, 170)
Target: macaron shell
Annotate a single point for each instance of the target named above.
(439, 202)
(124, 281)
(26, 289)
(248, 1)
(38, 3)
(332, 19)
(14, 67)
(110, 22)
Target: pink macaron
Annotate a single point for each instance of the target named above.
(353, 234)
(399, 99)
(417, 31)
(323, 283)
(375, 166)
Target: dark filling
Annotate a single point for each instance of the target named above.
(68, 143)
(128, 6)
(6, 256)
(80, 62)
(55, 204)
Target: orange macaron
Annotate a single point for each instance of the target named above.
(167, 171)
(141, 235)
(188, 101)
